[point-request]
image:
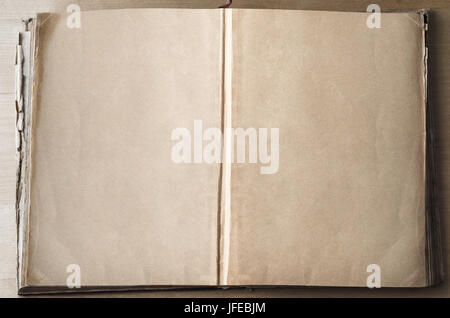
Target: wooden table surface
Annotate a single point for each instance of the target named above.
(13, 11)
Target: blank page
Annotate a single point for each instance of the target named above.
(105, 194)
(349, 191)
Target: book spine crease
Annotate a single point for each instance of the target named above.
(227, 148)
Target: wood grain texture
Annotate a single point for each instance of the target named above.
(11, 13)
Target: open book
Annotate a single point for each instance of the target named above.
(162, 148)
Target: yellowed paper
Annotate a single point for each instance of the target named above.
(349, 192)
(105, 194)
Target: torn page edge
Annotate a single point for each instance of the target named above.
(24, 81)
(227, 118)
(433, 245)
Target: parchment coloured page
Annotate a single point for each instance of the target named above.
(105, 194)
(349, 191)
